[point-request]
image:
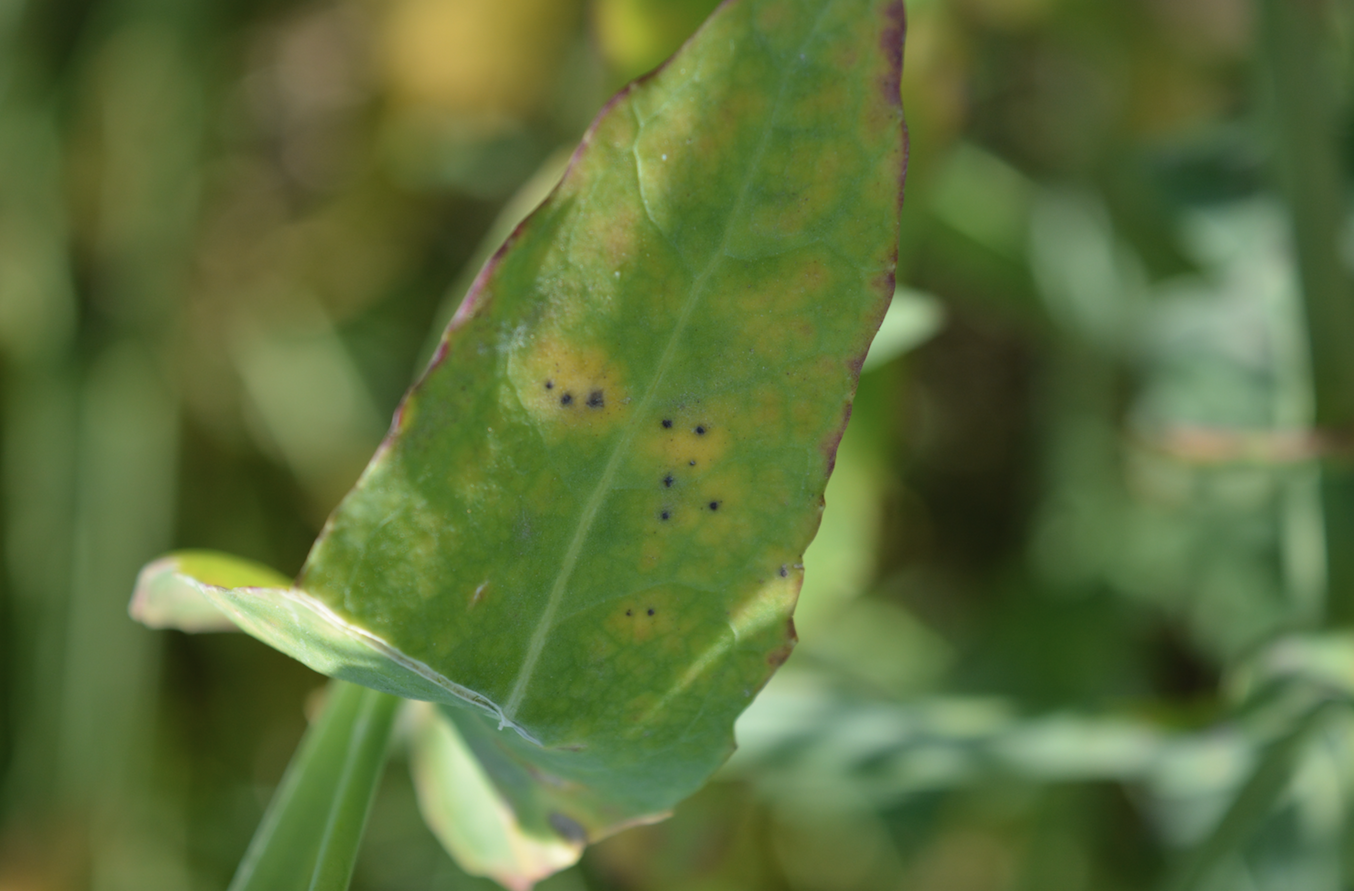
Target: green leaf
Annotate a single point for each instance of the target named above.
(585, 529)
(309, 836)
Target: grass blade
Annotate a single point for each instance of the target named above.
(1255, 800)
(310, 834)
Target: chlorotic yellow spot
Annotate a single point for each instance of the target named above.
(653, 618)
(684, 435)
(564, 387)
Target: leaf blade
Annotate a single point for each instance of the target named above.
(590, 515)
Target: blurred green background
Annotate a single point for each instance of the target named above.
(1068, 623)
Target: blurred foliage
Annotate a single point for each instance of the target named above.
(1058, 631)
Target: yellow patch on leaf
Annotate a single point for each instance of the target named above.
(565, 387)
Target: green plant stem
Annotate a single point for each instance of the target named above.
(310, 834)
(1297, 56)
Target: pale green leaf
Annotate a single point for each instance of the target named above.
(472, 818)
(168, 591)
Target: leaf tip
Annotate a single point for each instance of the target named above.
(165, 597)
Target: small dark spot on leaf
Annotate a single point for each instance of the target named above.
(666, 423)
(629, 612)
(700, 430)
(595, 399)
(569, 830)
(651, 611)
(567, 399)
(668, 481)
(550, 385)
(664, 515)
(714, 505)
(692, 463)
(784, 572)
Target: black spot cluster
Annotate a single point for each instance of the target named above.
(669, 479)
(596, 399)
(699, 429)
